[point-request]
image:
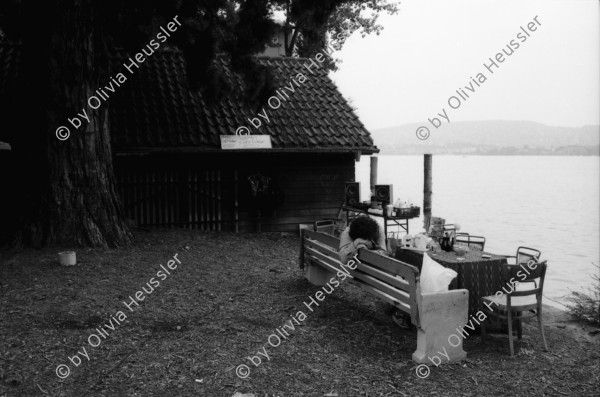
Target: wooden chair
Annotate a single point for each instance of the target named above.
(326, 226)
(516, 302)
(331, 226)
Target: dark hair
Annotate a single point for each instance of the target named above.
(364, 227)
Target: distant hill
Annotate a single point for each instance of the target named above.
(490, 138)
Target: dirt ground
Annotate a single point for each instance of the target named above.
(222, 304)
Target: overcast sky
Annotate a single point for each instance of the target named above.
(433, 47)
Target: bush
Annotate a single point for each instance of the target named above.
(586, 306)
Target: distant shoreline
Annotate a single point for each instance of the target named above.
(491, 138)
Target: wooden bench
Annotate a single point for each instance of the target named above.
(436, 316)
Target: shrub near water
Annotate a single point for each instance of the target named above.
(586, 306)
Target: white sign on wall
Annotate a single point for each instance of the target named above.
(246, 142)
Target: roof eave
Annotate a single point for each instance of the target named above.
(133, 151)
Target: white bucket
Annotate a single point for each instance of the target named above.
(67, 258)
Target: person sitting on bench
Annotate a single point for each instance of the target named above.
(365, 232)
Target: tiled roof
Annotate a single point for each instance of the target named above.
(156, 109)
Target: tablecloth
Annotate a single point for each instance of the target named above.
(480, 276)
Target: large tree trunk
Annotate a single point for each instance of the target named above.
(69, 186)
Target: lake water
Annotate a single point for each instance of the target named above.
(548, 203)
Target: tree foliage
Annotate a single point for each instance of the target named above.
(309, 24)
(236, 28)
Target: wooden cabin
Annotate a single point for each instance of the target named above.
(172, 171)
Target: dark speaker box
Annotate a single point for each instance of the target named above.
(384, 194)
(352, 193)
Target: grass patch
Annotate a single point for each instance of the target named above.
(586, 306)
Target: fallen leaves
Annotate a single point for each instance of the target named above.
(233, 293)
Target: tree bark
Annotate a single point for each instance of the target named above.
(68, 187)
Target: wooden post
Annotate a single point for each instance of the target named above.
(373, 174)
(236, 219)
(427, 191)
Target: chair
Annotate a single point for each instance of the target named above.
(525, 254)
(516, 302)
(325, 226)
(450, 227)
(332, 226)
(475, 243)
(462, 239)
